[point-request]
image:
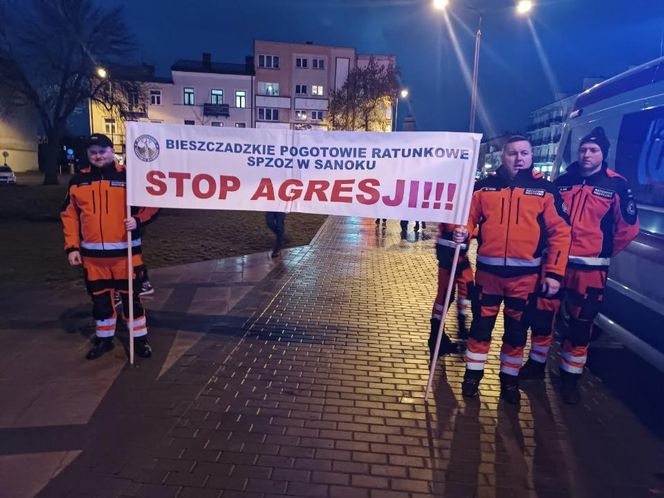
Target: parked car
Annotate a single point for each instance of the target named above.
(630, 107)
(7, 176)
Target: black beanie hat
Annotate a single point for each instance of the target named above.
(99, 139)
(597, 137)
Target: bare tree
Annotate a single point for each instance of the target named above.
(365, 100)
(49, 53)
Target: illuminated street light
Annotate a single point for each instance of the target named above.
(101, 72)
(404, 93)
(524, 7)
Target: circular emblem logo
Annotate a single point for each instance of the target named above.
(631, 208)
(146, 148)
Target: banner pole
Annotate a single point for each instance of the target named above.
(130, 284)
(441, 327)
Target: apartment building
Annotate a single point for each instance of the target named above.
(294, 82)
(198, 92)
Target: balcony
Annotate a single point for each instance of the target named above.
(216, 110)
(134, 113)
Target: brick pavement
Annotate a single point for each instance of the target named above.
(311, 384)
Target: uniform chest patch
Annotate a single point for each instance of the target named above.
(490, 189)
(118, 184)
(539, 192)
(565, 189)
(602, 192)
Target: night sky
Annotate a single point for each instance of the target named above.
(580, 38)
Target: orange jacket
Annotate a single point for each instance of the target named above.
(523, 225)
(94, 212)
(603, 215)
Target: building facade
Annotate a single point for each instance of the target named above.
(284, 85)
(546, 128)
(18, 137)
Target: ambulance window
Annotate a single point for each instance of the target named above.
(640, 154)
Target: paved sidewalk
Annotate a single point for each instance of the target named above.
(304, 377)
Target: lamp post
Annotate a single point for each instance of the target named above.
(403, 94)
(523, 7)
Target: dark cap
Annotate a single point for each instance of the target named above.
(597, 137)
(100, 140)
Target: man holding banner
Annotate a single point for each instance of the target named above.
(519, 214)
(96, 224)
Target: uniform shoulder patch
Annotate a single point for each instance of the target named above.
(116, 183)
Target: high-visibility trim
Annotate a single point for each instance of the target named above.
(449, 243)
(540, 349)
(474, 366)
(538, 357)
(570, 368)
(516, 361)
(107, 322)
(140, 332)
(438, 307)
(573, 359)
(476, 356)
(101, 246)
(509, 370)
(138, 322)
(104, 333)
(437, 316)
(582, 260)
(529, 263)
(465, 302)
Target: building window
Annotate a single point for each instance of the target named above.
(265, 88)
(301, 89)
(189, 122)
(155, 97)
(240, 125)
(318, 64)
(267, 114)
(301, 115)
(317, 90)
(240, 99)
(132, 99)
(188, 96)
(268, 61)
(109, 126)
(301, 62)
(216, 96)
(217, 124)
(317, 115)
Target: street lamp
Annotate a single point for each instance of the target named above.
(523, 7)
(404, 94)
(101, 72)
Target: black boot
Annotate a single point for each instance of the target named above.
(532, 370)
(569, 388)
(100, 345)
(463, 330)
(446, 345)
(142, 348)
(471, 383)
(509, 389)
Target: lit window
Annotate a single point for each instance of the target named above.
(301, 89)
(318, 64)
(240, 125)
(301, 115)
(267, 114)
(317, 90)
(109, 126)
(266, 88)
(240, 99)
(155, 97)
(216, 96)
(189, 96)
(217, 124)
(301, 62)
(268, 61)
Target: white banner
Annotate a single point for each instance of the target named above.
(406, 176)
